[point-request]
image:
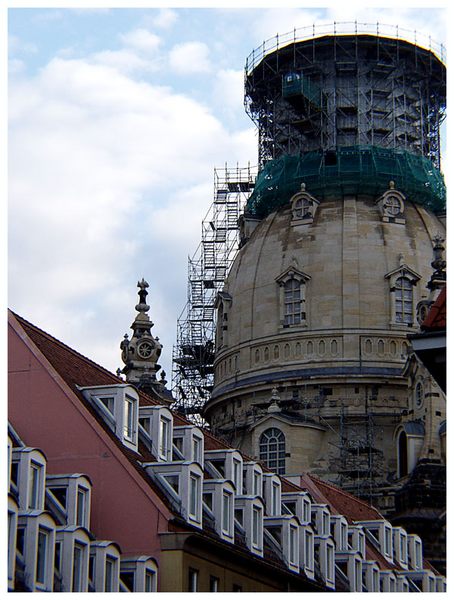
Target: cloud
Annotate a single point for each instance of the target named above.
(141, 40)
(189, 58)
(165, 18)
(109, 178)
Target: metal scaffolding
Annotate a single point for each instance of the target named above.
(193, 354)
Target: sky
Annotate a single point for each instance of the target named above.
(116, 120)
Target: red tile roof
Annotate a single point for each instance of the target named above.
(436, 318)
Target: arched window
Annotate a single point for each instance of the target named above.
(402, 454)
(403, 300)
(272, 449)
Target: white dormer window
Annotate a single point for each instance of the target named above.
(340, 532)
(415, 551)
(73, 495)
(249, 513)
(299, 504)
(182, 482)
(321, 519)
(357, 540)
(157, 430)
(118, 405)
(105, 558)
(189, 441)
(387, 581)
(36, 547)
(307, 554)
(380, 534)
(218, 496)
(272, 494)
(252, 482)
(30, 475)
(285, 531)
(371, 576)
(72, 549)
(325, 551)
(400, 546)
(139, 574)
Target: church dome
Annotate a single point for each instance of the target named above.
(323, 293)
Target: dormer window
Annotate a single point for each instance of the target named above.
(138, 574)
(30, 474)
(252, 479)
(272, 494)
(73, 494)
(415, 551)
(118, 405)
(380, 534)
(189, 441)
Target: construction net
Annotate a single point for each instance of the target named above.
(348, 170)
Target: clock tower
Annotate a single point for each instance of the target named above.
(141, 352)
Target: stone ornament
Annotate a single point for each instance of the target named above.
(392, 205)
(304, 207)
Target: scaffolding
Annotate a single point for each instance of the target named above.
(325, 88)
(193, 353)
(361, 461)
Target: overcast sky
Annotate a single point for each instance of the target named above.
(117, 118)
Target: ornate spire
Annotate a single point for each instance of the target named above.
(141, 352)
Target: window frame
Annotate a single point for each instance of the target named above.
(273, 459)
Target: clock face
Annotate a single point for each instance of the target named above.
(145, 349)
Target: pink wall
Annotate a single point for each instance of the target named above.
(47, 415)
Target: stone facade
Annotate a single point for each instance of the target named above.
(338, 359)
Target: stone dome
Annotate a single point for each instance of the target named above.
(319, 305)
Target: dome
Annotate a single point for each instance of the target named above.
(347, 266)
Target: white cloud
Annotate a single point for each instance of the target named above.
(165, 18)
(124, 60)
(109, 180)
(141, 40)
(189, 58)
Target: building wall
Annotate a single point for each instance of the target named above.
(45, 413)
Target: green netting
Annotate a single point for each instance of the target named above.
(295, 84)
(348, 170)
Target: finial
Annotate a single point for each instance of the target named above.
(303, 187)
(438, 263)
(163, 380)
(391, 185)
(275, 399)
(142, 306)
(401, 259)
